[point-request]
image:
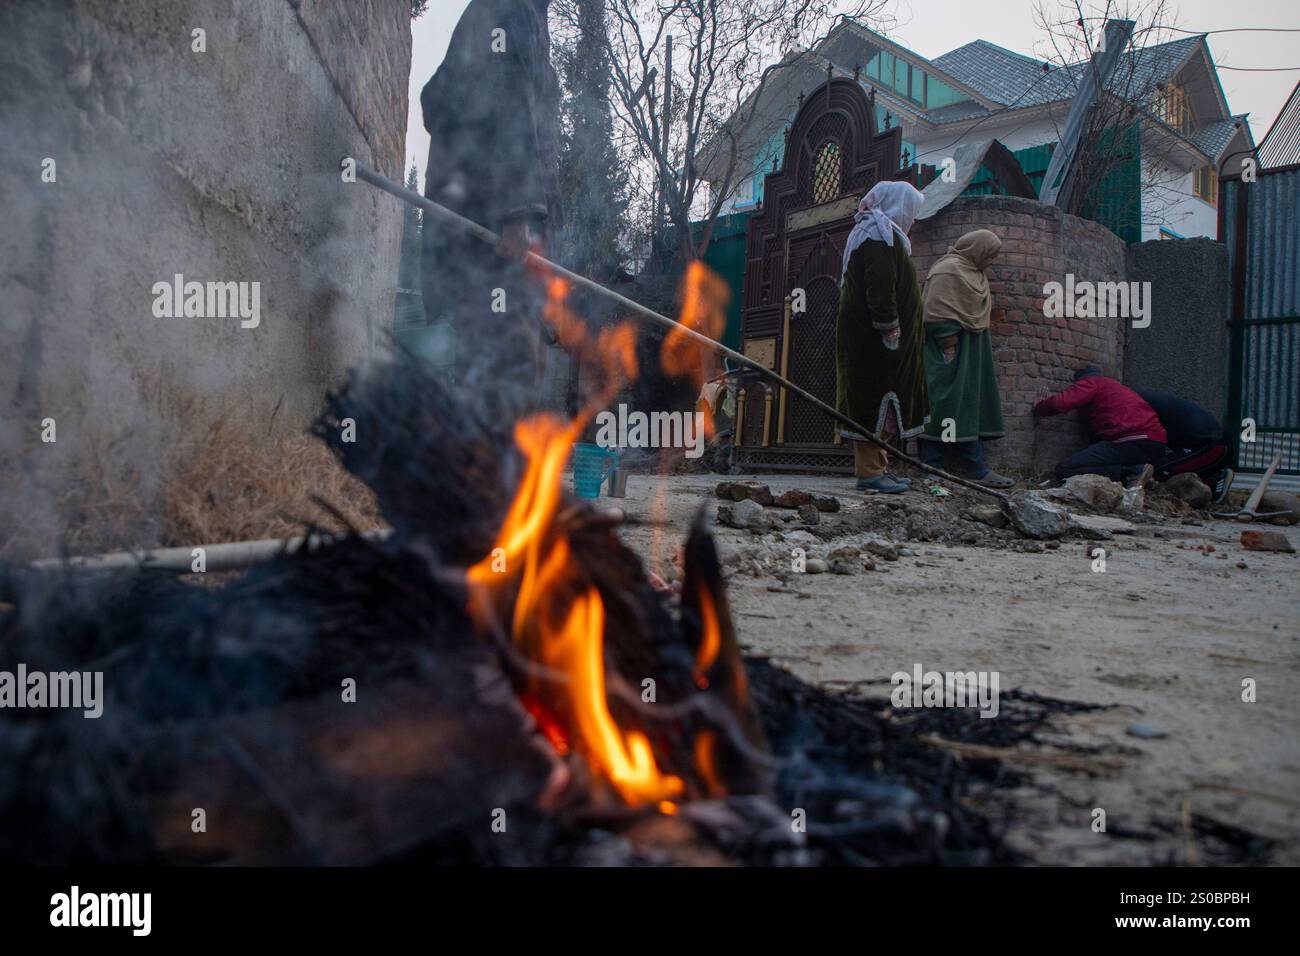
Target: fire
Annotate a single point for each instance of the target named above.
(705, 296)
(710, 638)
(557, 624)
(559, 620)
(559, 617)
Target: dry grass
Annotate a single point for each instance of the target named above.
(230, 482)
(238, 485)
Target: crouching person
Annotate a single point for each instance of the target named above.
(1128, 439)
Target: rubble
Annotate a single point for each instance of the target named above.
(1111, 525)
(1187, 488)
(744, 491)
(1287, 504)
(1093, 491)
(794, 498)
(826, 503)
(1034, 517)
(990, 515)
(739, 514)
(1267, 541)
(809, 514)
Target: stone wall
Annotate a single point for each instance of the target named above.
(220, 165)
(1035, 355)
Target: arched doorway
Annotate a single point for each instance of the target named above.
(794, 248)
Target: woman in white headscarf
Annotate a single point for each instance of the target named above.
(879, 336)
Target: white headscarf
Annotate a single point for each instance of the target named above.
(888, 208)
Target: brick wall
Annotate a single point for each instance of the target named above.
(1034, 355)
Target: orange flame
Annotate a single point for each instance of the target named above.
(562, 632)
(710, 637)
(705, 296)
(559, 617)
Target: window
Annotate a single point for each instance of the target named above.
(1205, 185)
(826, 174)
(1174, 107)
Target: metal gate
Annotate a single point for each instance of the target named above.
(1260, 224)
(834, 153)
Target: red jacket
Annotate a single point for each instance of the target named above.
(1110, 411)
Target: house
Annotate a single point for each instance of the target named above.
(1163, 184)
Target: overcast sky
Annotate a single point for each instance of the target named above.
(932, 27)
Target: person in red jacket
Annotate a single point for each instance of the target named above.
(1128, 439)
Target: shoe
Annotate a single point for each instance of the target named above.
(993, 480)
(864, 486)
(883, 485)
(1223, 484)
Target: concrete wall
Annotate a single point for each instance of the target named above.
(1169, 202)
(220, 165)
(1185, 349)
(1035, 355)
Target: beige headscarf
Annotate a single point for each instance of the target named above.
(956, 288)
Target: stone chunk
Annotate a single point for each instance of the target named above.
(738, 515)
(1036, 518)
(744, 490)
(987, 514)
(794, 498)
(1267, 541)
(1094, 491)
(1187, 487)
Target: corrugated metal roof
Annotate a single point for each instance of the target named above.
(1281, 146)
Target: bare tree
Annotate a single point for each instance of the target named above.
(1135, 114)
(725, 55)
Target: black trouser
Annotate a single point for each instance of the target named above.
(1116, 460)
(971, 455)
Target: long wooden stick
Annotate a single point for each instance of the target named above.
(636, 308)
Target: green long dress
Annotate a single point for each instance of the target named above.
(880, 291)
(965, 389)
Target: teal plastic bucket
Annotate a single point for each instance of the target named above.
(590, 465)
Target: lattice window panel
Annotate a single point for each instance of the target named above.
(827, 173)
(831, 129)
(812, 364)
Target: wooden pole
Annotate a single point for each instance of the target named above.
(636, 308)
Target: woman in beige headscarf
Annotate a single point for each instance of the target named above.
(965, 409)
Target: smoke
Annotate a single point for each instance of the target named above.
(133, 149)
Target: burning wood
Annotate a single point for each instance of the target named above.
(497, 681)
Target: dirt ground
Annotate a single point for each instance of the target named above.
(1165, 636)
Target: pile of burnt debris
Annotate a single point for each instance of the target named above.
(347, 705)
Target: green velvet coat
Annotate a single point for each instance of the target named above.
(965, 389)
(880, 292)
